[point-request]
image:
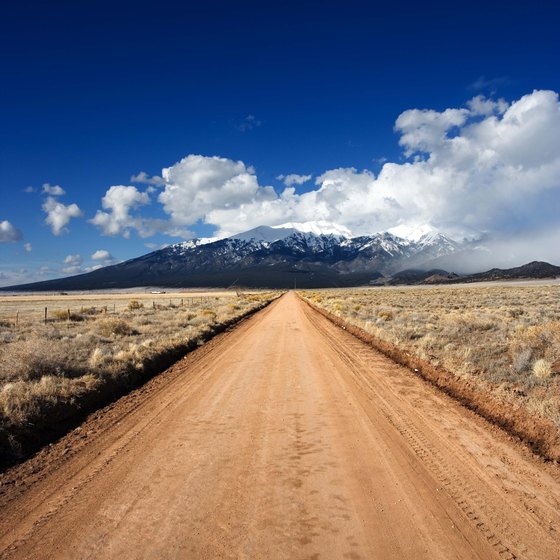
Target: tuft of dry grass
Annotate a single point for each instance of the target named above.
(542, 368)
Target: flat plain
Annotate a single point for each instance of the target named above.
(285, 438)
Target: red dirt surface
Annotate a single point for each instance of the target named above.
(284, 438)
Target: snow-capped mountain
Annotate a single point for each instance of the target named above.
(312, 254)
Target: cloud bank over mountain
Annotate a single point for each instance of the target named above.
(489, 169)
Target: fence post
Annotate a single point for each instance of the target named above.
(17, 318)
(69, 314)
(46, 315)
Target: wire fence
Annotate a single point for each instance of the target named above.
(16, 313)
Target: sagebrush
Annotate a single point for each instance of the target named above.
(504, 337)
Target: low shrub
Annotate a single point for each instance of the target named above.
(115, 327)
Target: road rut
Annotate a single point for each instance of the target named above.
(285, 438)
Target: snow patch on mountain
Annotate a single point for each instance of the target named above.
(185, 246)
(412, 232)
(319, 227)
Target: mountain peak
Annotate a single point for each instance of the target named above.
(264, 233)
(413, 232)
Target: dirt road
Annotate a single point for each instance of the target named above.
(284, 438)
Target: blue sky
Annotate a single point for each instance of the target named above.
(96, 92)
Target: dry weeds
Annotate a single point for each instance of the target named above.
(505, 339)
(79, 351)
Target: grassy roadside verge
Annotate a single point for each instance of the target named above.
(52, 376)
(540, 434)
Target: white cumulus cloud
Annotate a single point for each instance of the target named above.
(28, 247)
(145, 179)
(9, 233)
(59, 215)
(425, 130)
(73, 260)
(102, 255)
(480, 105)
(73, 264)
(119, 200)
(294, 179)
(198, 186)
(53, 190)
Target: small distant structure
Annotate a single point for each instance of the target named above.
(158, 292)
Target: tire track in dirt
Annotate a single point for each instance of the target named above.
(284, 438)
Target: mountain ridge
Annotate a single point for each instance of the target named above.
(307, 255)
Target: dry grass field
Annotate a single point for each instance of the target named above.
(503, 338)
(287, 437)
(90, 343)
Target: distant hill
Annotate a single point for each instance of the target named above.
(413, 276)
(441, 278)
(532, 270)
